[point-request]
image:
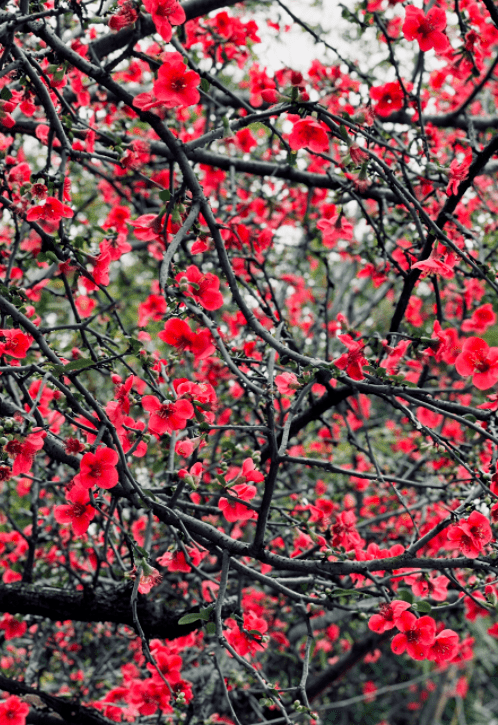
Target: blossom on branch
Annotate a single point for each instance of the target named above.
(387, 616)
(471, 535)
(178, 333)
(13, 711)
(389, 97)
(353, 360)
(480, 361)
(52, 211)
(23, 452)
(14, 343)
(309, 133)
(79, 512)
(165, 13)
(415, 635)
(99, 469)
(167, 417)
(232, 509)
(176, 85)
(204, 288)
(428, 29)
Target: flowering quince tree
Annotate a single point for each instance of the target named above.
(248, 363)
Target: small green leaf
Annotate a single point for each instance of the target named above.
(423, 607)
(344, 133)
(211, 628)
(405, 595)
(135, 345)
(141, 551)
(165, 195)
(205, 85)
(206, 613)
(80, 364)
(190, 618)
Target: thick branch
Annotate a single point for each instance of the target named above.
(158, 618)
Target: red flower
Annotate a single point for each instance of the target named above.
(235, 511)
(480, 361)
(287, 383)
(15, 343)
(153, 308)
(78, 513)
(446, 346)
(415, 636)
(439, 267)
(471, 535)
(167, 417)
(388, 615)
(204, 288)
(178, 334)
(389, 98)
(249, 638)
(13, 711)
(457, 173)
(353, 360)
(85, 305)
(426, 29)
(149, 578)
(165, 13)
(148, 227)
(357, 154)
(149, 695)
(177, 561)
(51, 211)
(309, 133)
(338, 227)
(344, 531)
(169, 665)
(125, 16)
(482, 318)
(12, 627)
(23, 452)
(176, 85)
(99, 469)
(444, 648)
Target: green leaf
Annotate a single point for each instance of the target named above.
(405, 595)
(211, 628)
(135, 345)
(190, 618)
(423, 607)
(206, 613)
(205, 85)
(5, 94)
(165, 195)
(80, 364)
(142, 551)
(342, 592)
(344, 133)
